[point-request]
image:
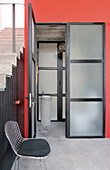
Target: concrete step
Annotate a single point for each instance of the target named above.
(8, 59)
(8, 48)
(9, 29)
(10, 37)
(2, 87)
(8, 32)
(10, 40)
(2, 82)
(6, 69)
(6, 44)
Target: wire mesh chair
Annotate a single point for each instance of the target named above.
(26, 148)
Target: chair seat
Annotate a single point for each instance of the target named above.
(34, 148)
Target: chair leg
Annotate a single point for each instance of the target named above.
(18, 163)
(15, 165)
(43, 164)
(40, 160)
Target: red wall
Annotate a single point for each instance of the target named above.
(71, 10)
(79, 11)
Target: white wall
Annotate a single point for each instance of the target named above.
(0, 16)
(6, 14)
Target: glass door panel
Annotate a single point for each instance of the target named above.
(86, 118)
(48, 81)
(48, 55)
(86, 42)
(85, 80)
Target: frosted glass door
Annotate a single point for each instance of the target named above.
(48, 76)
(85, 84)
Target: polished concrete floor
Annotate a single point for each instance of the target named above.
(71, 154)
(55, 130)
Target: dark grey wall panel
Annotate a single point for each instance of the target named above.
(9, 111)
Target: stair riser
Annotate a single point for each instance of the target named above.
(10, 37)
(7, 61)
(2, 88)
(6, 45)
(6, 48)
(6, 69)
(10, 29)
(2, 79)
(10, 33)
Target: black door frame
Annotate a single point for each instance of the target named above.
(58, 95)
(31, 57)
(68, 61)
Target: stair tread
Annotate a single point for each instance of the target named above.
(6, 68)
(9, 59)
(8, 54)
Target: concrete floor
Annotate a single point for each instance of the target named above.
(72, 154)
(55, 130)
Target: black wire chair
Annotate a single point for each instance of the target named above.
(26, 148)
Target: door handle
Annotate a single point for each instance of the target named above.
(30, 100)
(60, 83)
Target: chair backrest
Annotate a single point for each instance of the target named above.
(13, 134)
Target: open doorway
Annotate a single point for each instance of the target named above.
(77, 88)
(51, 77)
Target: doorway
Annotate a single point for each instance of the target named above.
(51, 72)
(52, 77)
(75, 80)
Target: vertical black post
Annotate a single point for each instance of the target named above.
(59, 84)
(13, 30)
(35, 92)
(38, 117)
(68, 81)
